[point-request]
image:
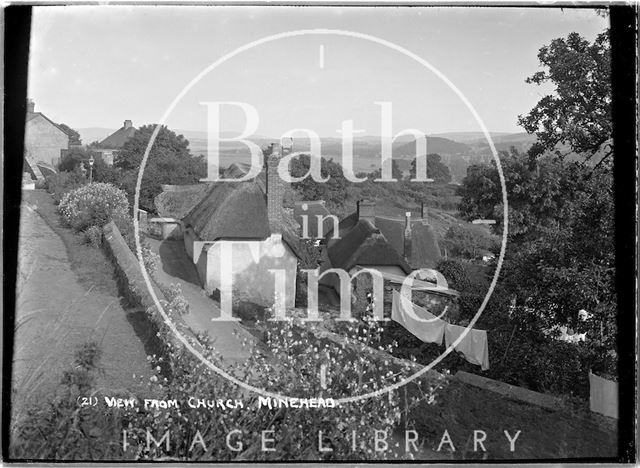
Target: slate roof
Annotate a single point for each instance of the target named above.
(425, 252)
(364, 245)
(118, 138)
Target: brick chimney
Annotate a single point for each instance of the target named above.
(127, 124)
(367, 210)
(407, 237)
(31, 106)
(275, 191)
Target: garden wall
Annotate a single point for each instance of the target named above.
(134, 288)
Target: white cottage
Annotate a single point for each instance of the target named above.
(245, 236)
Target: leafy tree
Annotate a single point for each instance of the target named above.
(436, 169)
(560, 257)
(468, 241)
(73, 159)
(167, 145)
(560, 253)
(169, 162)
(396, 173)
(74, 136)
(333, 191)
(578, 114)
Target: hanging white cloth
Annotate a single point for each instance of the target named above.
(603, 396)
(473, 346)
(417, 320)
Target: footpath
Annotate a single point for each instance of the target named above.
(56, 314)
(177, 268)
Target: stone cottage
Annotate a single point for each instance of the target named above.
(44, 140)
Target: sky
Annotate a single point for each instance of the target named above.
(97, 66)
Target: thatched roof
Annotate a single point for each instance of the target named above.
(425, 252)
(177, 201)
(364, 245)
(230, 210)
(235, 211)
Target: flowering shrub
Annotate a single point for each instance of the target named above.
(93, 234)
(173, 293)
(92, 205)
(288, 363)
(124, 223)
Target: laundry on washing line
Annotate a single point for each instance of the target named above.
(431, 329)
(417, 320)
(473, 346)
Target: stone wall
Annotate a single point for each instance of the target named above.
(131, 283)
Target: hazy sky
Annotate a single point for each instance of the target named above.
(97, 66)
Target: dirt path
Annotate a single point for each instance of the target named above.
(177, 268)
(56, 313)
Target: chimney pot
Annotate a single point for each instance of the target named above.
(128, 124)
(367, 210)
(425, 213)
(407, 237)
(407, 216)
(31, 106)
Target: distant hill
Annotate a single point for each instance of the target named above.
(520, 141)
(466, 137)
(442, 146)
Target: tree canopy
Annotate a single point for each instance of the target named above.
(578, 113)
(560, 252)
(436, 169)
(74, 136)
(167, 146)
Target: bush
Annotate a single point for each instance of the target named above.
(92, 205)
(63, 182)
(124, 223)
(94, 236)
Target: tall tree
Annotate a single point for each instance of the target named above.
(166, 145)
(74, 136)
(436, 169)
(560, 255)
(169, 162)
(578, 113)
